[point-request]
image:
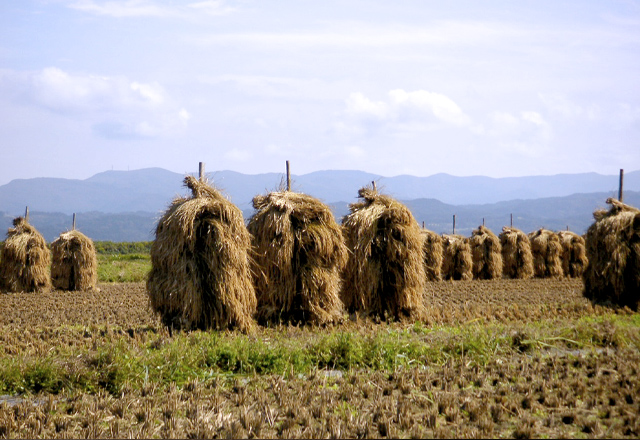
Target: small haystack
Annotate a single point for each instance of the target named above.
(74, 265)
(517, 259)
(457, 262)
(613, 250)
(385, 275)
(432, 250)
(486, 253)
(299, 255)
(200, 276)
(547, 254)
(24, 260)
(574, 254)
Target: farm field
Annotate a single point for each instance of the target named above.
(506, 358)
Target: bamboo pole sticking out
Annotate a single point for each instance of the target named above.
(620, 188)
(201, 170)
(454, 224)
(288, 177)
(26, 214)
(73, 226)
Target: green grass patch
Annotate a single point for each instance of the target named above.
(112, 358)
(123, 268)
(122, 248)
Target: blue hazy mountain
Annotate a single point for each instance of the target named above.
(124, 205)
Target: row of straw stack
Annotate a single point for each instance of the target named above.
(292, 263)
(295, 264)
(512, 254)
(25, 260)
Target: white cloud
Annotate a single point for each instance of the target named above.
(357, 34)
(211, 7)
(120, 9)
(150, 92)
(358, 104)
(504, 119)
(115, 107)
(355, 151)
(533, 117)
(150, 8)
(238, 155)
(60, 91)
(440, 105)
(278, 86)
(419, 108)
(184, 115)
(527, 134)
(561, 105)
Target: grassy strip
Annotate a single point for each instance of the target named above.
(122, 248)
(115, 359)
(123, 268)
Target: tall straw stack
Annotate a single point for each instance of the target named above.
(574, 254)
(457, 262)
(385, 274)
(432, 250)
(547, 254)
(299, 255)
(613, 251)
(200, 276)
(24, 260)
(517, 259)
(74, 265)
(486, 253)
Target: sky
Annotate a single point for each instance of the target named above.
(496, 88)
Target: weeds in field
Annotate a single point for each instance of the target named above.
(112, 358)
(487, 364)
(129, 268)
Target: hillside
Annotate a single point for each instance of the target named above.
(555, 213)
(152, 189)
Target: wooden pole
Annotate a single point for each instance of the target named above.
(512, 220)
(423, 224)
(288, 177)
(73, 228)
(201, 170)
(621, 184)
(26, 214)
(373, 183)
(482, 221)
(454, 224)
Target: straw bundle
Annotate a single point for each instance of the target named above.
(516, 254)
(432, 251)
(74, 265)
(457, 262)
(574, 254)
(299, 255)
(547, 254)
(24, 260)
(200, 276)
(613, 250)
(486, 253)
(385, 274)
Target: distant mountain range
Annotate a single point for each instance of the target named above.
(124, 205)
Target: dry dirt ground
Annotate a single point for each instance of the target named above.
(544, 384)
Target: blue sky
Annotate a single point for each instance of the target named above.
(496, 88)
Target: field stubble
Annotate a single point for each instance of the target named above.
(514, 358)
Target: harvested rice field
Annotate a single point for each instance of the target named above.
(494, 358)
